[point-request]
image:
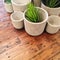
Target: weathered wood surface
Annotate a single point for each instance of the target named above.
(18, 45)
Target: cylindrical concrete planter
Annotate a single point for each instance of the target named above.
(51, 11)
(8, 7)
(37, 2)
(53, 24)
(36, 29)
(20, 5)
(17, 20)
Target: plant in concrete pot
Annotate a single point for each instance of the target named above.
(52, 6)
(35, 20)
(8, 6)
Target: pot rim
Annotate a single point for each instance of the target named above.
(38, 22)
(19, 4)
(16, 20)
(50, 23)
(49, 7)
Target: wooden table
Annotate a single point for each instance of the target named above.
(18, 45)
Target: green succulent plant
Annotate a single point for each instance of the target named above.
(7, 1)
(33, 14)
(52, 3)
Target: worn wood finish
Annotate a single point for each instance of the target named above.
(18, 45)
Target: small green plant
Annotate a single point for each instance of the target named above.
(52, 3)
(33, 14)
(7, 1)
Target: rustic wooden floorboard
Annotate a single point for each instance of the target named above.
(18, 45)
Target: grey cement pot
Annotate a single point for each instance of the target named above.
(36, 29)
(20, 5)
(53, 24)
(17, 20)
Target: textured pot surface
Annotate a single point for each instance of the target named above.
(37, 2)
(51, 11)
(36, 29)
(17, 20)
(20, 5)
(53, 25)
(8, 7)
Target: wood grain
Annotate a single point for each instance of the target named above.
(18, 45)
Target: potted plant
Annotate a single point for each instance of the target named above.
(37, 2)
(8, 6)
(20, 5)
(51, 6)
(17, 20)
(53, 24)
(35, 20)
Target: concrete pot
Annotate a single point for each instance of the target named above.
(51, 11)
(20, 5)
(8, 7)
(17, 20)
(53, 24)
(36, 29)
(37, 2)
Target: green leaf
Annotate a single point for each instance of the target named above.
(33, 14)
(52, 3)
(7, 1)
